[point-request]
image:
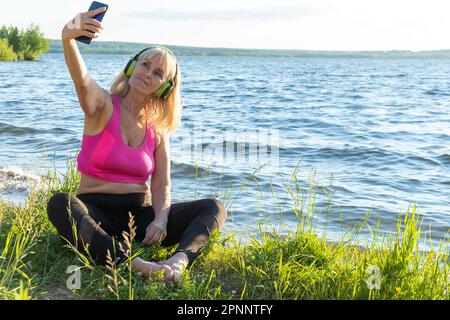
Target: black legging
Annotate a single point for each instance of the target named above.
(102, 217)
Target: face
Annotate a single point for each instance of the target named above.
(148, 75)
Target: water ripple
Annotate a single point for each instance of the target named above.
(380, 126)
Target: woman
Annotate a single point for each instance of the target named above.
(125, 140)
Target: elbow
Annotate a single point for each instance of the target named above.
(163, 187)
(82, 84)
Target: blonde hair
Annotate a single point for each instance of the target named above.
(163, 114)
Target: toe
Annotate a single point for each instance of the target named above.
(168, 273)
(177, 276)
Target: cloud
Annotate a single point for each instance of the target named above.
(273, 13)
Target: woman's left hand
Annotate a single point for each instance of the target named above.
(156, 231)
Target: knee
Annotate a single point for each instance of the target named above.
(219, 210)
(57, 205)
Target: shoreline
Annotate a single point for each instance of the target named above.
(118, 47)
(269, 268)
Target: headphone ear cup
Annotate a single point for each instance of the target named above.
(167, 92)
(130, 67)
(164, 91)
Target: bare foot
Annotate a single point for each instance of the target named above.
(177, 263)
(151, 269)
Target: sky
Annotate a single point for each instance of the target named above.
(265, 24)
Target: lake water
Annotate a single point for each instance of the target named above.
(372, 135)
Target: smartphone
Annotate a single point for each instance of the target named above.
(94, 6)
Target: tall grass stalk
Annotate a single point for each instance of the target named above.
(279, 264)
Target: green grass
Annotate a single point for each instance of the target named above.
(295, 264)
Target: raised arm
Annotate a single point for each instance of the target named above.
(91, 96)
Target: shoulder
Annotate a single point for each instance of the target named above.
(162, 138)
(111, 99)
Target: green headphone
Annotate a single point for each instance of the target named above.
(165, 90)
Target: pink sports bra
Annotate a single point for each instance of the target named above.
(106, 156)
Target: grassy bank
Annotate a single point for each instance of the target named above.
(296, 265)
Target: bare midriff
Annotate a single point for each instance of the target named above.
(91, 185)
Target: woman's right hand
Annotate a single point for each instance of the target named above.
(83, 25)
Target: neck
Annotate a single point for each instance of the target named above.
(134, 102)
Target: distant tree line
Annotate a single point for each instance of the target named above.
(18, 44)
(130, 48)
